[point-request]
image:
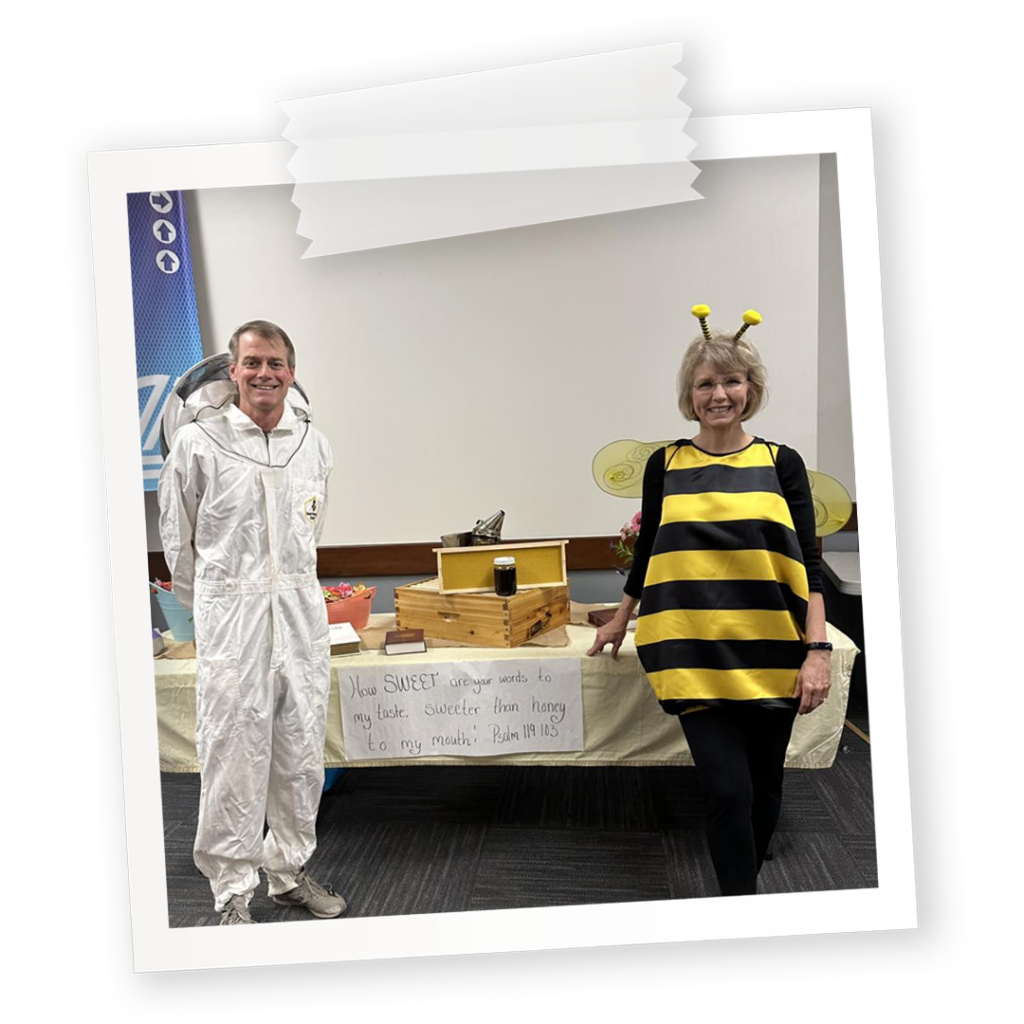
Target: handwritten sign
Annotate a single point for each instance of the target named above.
(468, 709)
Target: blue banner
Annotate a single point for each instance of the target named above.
(167, 340)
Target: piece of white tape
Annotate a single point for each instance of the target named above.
(495, 149)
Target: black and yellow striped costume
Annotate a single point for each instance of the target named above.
(722, 556)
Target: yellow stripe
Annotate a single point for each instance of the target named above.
(750, 564)
(715, 506)
(715, 624)
(688, 457)
(723, 684)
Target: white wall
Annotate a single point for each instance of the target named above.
(835, 427)
(463, 375)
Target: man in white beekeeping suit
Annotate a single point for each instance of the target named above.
(242, 498)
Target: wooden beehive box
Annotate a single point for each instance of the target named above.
(471, 570)
(484, 620)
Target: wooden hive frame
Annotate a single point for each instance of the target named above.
(471, 570)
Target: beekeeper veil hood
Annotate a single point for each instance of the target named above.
(203, 393)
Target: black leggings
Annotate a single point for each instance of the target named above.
(739, 753)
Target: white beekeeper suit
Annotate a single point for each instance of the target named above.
(240, 515)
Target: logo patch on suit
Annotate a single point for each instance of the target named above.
(311, 508)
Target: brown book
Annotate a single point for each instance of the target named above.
(602, 616)
(405, 641)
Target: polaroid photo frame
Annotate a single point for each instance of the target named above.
(791, 937)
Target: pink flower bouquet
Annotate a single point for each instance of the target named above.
(622, 548)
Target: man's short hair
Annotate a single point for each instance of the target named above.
(266, 330)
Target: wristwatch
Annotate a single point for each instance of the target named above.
(819, 646)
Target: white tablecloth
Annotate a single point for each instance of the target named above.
(623, 722)
(843, 569)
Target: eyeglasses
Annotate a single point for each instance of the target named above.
(707, 387)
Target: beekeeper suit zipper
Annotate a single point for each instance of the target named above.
(271, 479)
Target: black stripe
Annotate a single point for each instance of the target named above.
(721, 654)
(718, 477)
(676, 706)
(728, 535)
(745, 595)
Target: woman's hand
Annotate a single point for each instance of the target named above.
(814, 681)
(613, 633)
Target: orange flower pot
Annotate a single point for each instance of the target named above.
(355, 609)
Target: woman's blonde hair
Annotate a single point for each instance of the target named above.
(726, 356)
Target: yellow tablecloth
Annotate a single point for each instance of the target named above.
(622, 720)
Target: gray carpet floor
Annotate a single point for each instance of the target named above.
(437, 839)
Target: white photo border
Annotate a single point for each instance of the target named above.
(157, 947)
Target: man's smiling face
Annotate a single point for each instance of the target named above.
(262, 374)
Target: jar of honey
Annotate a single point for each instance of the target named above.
(505, 576)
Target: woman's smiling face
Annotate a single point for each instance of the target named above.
(719, 397)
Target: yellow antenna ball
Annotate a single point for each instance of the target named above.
(750, 319)
(702, 313)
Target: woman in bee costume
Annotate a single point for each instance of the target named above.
(731, 631)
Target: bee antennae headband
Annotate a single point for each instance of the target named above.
(750, 319)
